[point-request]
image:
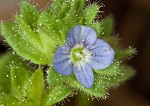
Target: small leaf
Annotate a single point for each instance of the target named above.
(112, 70)
(77, 6)
(50, 35)
(55, 95)
(54, 78)
(107, 27)
(27, 33)
(28, 13)
(35, 87)
(125, 54)
(127, 72)
(89, 14)
(65, 7)
(70, 20)
(5, 73)
(22, 46)
(6, 60)
(19, 78)
(97, 27)
(49, 30)
(56, 5)
(8, 100)
(98, 90)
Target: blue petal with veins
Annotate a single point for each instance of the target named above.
(81, 35)
(84, 75)
(102, 55)
(61, 61)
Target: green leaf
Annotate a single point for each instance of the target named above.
(54, 78)
(8, 100)
(98, 90)
(56, 5)
(28, 13)
(107, 27)
(55, 95)
(26, 42)
(97, 27)
(63, 8)
(112, 70)
(126, 73)
(22, 47)
(70, 20)
(77, 6)
(5, 73)
(6, 60)
(19, 78)
(49, 30)
(27, 33)
(125, 54)
(90, 13)
(35, 87)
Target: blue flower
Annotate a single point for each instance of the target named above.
(83, 52)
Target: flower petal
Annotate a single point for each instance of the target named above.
(102, 55)
(61, 61)
(84, 75)
(81, 35)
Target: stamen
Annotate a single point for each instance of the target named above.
(79, 54)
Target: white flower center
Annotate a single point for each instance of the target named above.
(79, 55)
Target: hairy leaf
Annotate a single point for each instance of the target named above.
(55, 95)
(19, 77)
(107, 27)
(8, 100)
(35, 87)
(97, 27)
(28, 13)
(98, 90)
(112, 70)
(55, 78)
(126, 73)
(125, 54)
(90, 13)
(6, 61)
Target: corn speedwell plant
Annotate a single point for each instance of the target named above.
(60, 51)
